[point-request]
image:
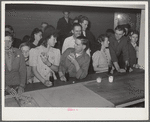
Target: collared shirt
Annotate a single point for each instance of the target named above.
(35, 60)
(66, 65)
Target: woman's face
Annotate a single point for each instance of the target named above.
(106, 42)
(25, 51)
(38, 36)
(134, 38)
(8, 42)
(52, 41)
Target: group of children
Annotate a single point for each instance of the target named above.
(34, 62)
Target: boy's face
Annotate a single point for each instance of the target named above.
(25, 51)
(76, 31)
(84, 25)
(8, 42)
(79, 47)
(119, 34)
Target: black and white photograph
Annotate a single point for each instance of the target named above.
(74, 60)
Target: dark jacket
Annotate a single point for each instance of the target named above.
(118, 48)
(132, 55)
(63, 26)
(17, 76)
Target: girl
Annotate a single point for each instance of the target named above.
(45, 59)
(101, 58)
(36, 36)
(133, 49)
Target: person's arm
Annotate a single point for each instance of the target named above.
(83, 69)
(65, 45)
(55, 65)
(125, 50)
(36, 74)
(62, 67)
(22, 73)
(114, 56)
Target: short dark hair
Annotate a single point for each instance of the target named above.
(76, 24)
(35, 31)
(84, 41)
(82, 18)
(134, 32)
(26, 38)
(120, 28)
(101, 38)
(45, 40)
(110, 31)
(7, 33)
(10, 27)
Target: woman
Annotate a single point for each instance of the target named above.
(133, 49)
(101, 58)
(15, 68)
(36, 36)
(45, 59)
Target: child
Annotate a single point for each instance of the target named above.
(133, 49)
(25, 48)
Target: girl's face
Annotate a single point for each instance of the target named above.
(106, 42)
(52, 41)
(25, 51)
(134, 38)
(8, 42)
(38, 36)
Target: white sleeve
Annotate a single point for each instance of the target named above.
(65, 45)
(57, 58)
(95, 59)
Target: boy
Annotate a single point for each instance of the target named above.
(119, 49)
(75, 60)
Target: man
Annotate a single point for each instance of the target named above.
(119, 49)
(70, 41)
(16, 41)
(64, 25)
(93, 44)
(75, 60)
(84, 22)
